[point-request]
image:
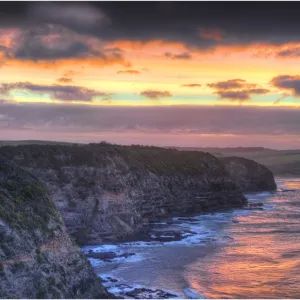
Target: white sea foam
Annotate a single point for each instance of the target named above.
(142, 244)
(101, 248)
(116, 290)
(133, 258)
(120, 288)
(192, 294)
(96, 262)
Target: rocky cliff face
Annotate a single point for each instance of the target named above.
(249, 175)
(37, 257)
(108, 192)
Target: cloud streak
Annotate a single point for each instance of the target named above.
(290, 53)
(241, 95)
(154, 94)
(191, 85)
(280, 99)
(231, 84)
(57, 92)
(183, 55)
(132, 72)
(64, 80)
(66, 77)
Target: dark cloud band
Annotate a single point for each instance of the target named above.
(193, 119)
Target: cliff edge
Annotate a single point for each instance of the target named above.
(109, 192)
(249, 175)
(37, 257)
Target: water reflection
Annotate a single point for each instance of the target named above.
(293, 184)
(263, 259)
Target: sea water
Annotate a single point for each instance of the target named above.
(232, 254)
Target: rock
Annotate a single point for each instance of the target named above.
(258, 206)
(109, 280)
(249, 175)
(167, 236)
(145, 293)
(109, 193)
(112, 279)
(169, 221)
(102, 255)
(190, 220)
(126, 255)
(108, 256)
(38, 258)
(123, 286)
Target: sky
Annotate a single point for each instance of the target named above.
(207, 74)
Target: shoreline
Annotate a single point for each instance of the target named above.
(119, 286)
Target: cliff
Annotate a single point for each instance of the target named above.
(280, 162)
(37, 257)
(108, 192)
(249, 175)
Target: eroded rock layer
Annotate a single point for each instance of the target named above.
(108, 192)
(37, 257)
(249, 175)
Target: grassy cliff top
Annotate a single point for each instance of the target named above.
(32, 142)
(25, 203)
(137, 158)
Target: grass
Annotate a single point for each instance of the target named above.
(31, 142)
(25, 203)
(189, 160)
(138, 158)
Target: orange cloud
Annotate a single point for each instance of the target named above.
(66, 77)
(134, 72)
(191, 85)
(64, 80)
(289, 52)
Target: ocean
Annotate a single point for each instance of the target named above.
(231, 254)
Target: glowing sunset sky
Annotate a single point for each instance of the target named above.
(164, 73)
